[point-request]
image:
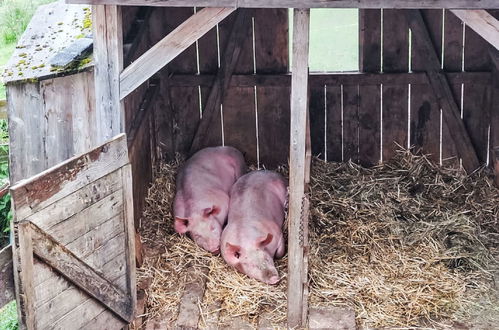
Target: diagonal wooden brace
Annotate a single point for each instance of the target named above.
(483, 23)
(169, 47)
(223, 78)
(443, 92)
(78, 272)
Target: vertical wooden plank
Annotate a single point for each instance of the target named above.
(334, 139)
(129, 226)
(425, 112)
(453, 57)
(351, 123)
(271, 56)
(108, 59)
(317, 112)
(395, 98)
(370, 40)
(369, 125)
(370, 96)
(239, 118)
(83, 105)
(494, 113)
(476, 114)
(273, 122)
(23, 269)
(297, 167)
(27, 129)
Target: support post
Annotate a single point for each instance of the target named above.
(108, 58)
(298, 176)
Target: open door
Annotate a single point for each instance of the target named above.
(74, 262)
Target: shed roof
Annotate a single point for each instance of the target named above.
(53, 28)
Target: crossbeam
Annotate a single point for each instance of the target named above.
(395, 4)
(170, 47)
(483, 23)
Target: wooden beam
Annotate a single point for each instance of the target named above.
(223, 77)
(333, 79)
(108, 59)
(6, 276)
(169, 47)
(407, 4)
(483, 23)
(298, 169)
(443, 92)
(78, 272)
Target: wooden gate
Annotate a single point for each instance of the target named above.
(74, 262)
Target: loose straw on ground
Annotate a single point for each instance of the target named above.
(405, 244)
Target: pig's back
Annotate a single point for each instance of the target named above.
(256, 195)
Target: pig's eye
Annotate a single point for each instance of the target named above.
(237, 255)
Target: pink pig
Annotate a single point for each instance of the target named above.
(202, 199)
(253, 236)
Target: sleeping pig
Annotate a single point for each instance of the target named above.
(253, 236)
(202, 199)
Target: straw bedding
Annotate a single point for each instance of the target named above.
(406, 243)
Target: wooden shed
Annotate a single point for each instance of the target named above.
(180, 75)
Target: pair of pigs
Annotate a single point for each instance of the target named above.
(212, 190)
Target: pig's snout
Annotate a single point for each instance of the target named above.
(216, 251)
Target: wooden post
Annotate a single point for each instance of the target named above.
(108, 59)
(298, 176)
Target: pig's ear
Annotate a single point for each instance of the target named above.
(263, 241)
(233, 251)
(214, 210)
(181, 225)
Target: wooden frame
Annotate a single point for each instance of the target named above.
(437, 4)
(73, 228)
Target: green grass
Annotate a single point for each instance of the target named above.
(8, 317)
(334, 39)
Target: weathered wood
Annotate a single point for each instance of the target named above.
(457, 4)
(443, 94)
(73, 174)
(78, 272)
(222, 80)
(425, 112)
(495, 161)
(23, 273)
(483, 23)
(137, 34)
(334, 130)
(333, 318)
(297, 166)
(319, 80)
(317, 113)
(6, 276)
(351, 123)
(108, 56)
(395, 98)
(143, 111)
(369, 125)
(188, 311)
(169, 47)
(370, 40)
(129, 237)
(494, 105)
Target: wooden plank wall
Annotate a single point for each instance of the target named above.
(364, 122)
(254, 120)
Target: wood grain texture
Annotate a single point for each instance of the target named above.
(395, 97)
(425, 112)
(169, 47)
(370, 40)
(297, 166)
(483, 23)
(240, 32)
(79, 273)
(317, 80)
(108, 55)
(73, 174)
(457, 4)
(317, 112)
(6, 276)
(334, 130)
(494, 109)
(444, 94)
(351, 123)
(369, 125)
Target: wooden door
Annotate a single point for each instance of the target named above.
(74, 261)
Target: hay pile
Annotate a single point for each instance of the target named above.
(405, 244)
